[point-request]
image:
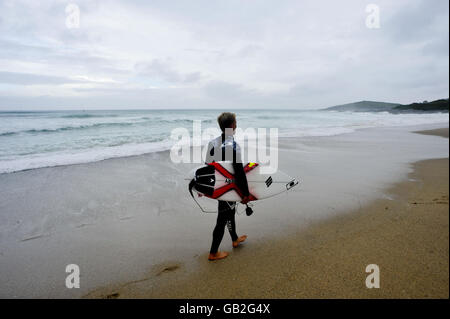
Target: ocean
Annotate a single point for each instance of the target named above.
(31, 140)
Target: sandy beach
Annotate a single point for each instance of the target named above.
(116, 221)
(438, 132)
(406, 235)
(407, 238)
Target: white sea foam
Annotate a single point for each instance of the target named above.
(91, 155)
(42, 139)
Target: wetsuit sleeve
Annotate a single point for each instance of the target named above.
(209, 153)
(239, 173)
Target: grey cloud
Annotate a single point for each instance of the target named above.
(163, 70)
(249, 50)
(107, 99)
(192, 77)
(437, 47)
(204, 51)
(15, 49)
(417, 21)
(31, 79)
(58, 56)
(225, 90)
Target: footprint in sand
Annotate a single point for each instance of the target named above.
(161, 269)
(168, 269)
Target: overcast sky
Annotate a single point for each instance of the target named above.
(220, 54)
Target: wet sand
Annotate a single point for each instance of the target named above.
(405, 234)
(438, 132)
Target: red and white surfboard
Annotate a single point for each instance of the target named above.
(216, 181)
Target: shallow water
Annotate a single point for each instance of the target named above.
(42, 139)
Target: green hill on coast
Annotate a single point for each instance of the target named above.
(441, 105)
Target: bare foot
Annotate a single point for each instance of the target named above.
(218, 255)
(239, 240)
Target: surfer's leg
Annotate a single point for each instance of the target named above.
(231, 223)
(220, 227)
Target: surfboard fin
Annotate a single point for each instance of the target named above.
(248, 211)
(191, 186)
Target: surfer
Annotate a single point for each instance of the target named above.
(224, 148)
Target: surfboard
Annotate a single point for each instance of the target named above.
(216, 181)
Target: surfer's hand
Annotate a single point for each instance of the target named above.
(245, 199)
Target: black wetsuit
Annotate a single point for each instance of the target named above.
(227, 210)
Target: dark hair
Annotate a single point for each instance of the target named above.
(226, 120)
